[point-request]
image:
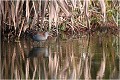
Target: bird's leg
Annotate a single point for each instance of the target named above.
(37, 44)
(33, 44)
(42, 43)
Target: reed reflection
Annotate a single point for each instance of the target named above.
(103, 57)
(66, 59)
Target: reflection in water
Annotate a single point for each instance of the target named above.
(38, 51)
(67, 59)
(105, 56)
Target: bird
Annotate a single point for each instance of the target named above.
(39, 36)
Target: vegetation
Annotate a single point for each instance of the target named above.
(95, 56)
(69, 16)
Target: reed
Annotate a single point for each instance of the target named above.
(18, 16)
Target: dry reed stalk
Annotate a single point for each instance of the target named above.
(18, 64)
(79, 69)
(13, 63)
(27, 11)
(50, 64)
(64, 7)
(101, 71)
(51, 13)
(34, 21)
(45, 71)
(35, 68)
(103, 8)
(4, 68)
(0, 14)
(17, 75)
(74, 3)
(86, 8)
(87, 74)
(22, 25)
(39, 72)
(27, 69)
(43, 5)
(21, 50)
(57, 63)
(73, 63)
(56, 15)
(13, 15)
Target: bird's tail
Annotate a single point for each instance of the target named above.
(31, 32)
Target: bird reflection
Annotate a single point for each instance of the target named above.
(38, 52)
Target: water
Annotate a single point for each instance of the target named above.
(95, 57)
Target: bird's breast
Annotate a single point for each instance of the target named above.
(38, 37)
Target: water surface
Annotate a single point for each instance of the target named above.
(95, 57)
